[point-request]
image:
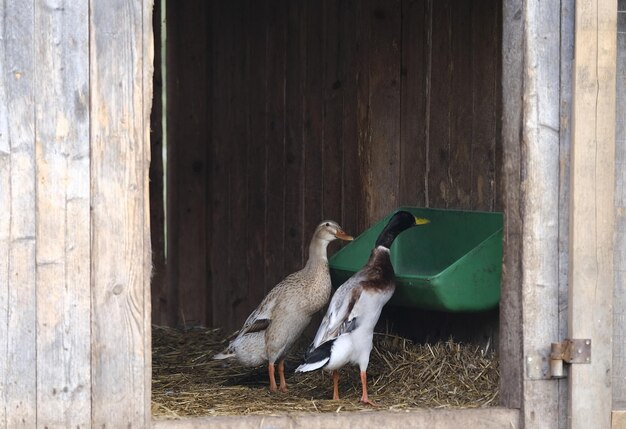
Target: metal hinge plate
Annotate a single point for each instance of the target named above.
(572, 351)
(551, 363)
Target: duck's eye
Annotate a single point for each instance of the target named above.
(327, 224)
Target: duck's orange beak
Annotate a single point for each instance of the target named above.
(341, 234)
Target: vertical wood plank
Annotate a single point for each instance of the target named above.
(510, 295)
(295, 76)
(221, 142)
(332, 88)
(255, 153)
(275, 127)
(440, 105)
(313, 132)
(120, 283)
(499, 158)
(63, 213)
(485, 81)
(187, 136)
(382, 178)
(619, 304)
(17, 146)
(618, 419)
(540, 216)
(363, 35)
(5, 225)
(171, 297)
(148, 67)
(592, 205)
(351, 190)
(566, 58)
(414, 74)
(461, 114)
(159, 292)
(239, 279)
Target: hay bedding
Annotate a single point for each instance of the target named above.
(401, 376)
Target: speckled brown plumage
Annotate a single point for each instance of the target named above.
(275, 325)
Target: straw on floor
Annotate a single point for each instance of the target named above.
(401, 376)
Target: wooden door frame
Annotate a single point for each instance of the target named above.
(550, 261)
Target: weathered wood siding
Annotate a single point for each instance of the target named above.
(18, 321)
(75, 92)
(537, 62)
(619, 300)
(592, 190)
(284, 113)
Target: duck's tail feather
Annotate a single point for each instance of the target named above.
(227, 353)
(317, 358)
(306, 367)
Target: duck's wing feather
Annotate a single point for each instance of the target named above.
(260, 318)
(340, 316)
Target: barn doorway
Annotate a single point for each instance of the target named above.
(276, 115)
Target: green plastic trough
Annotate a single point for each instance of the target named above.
(453, 264)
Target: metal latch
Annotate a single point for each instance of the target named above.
(568, 351)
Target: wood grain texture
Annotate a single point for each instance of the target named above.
(619, 295)
(275, 139)
(187, 120)
(63, 213)
(440, 105)
(592, 210)
(539, 204)
(461, 108)
(254, 150)
(313, 123)
(332, 90)
(239, 301)
(358, 134)
(383, 148)
(566, 59)
(414, 77)
(485, 18)
(17, 148)
(147, 75)
(119, 166)
(218, 215)
(510, 297)
(484, 418)
(352, 216)
(295, 74)
(363, 113)
(5, 231)
(618, 419)
(157, 179)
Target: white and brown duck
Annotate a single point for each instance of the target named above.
(346, 332)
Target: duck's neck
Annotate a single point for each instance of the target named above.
(378, 267)
(317, 254)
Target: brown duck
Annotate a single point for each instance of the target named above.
(271, 329)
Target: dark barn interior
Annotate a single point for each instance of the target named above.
(283, 113)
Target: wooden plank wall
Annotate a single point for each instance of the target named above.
(592, 211)
(511, 294)
(286, 113)
(121, 61)
(536, 142)
(63, 234)
(75, 222)
(18, 358)
(619, 302)
(540, 169)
